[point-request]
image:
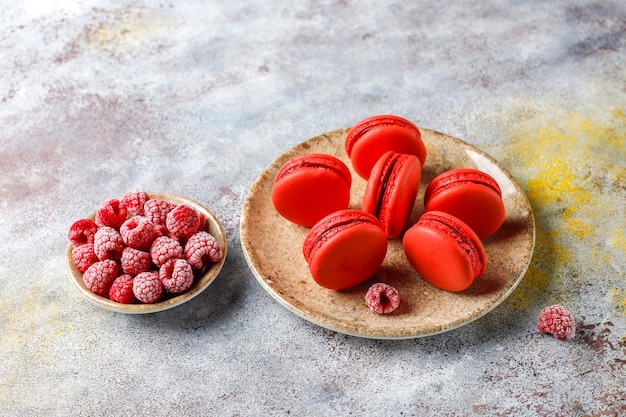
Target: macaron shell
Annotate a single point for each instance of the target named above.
(391, 195)
(306, 191)
(388, 135)
(470, 197)
(440, 258)
(343, 250)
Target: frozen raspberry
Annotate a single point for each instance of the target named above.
(183, 221)
(122, 290)
(111, 213)
(138, 232)
(557, 321)
(83, 256)
(82, 232)
(176, 275)
(156, 210)
(100, 276)
(147, 287)
(201, 248)
(382, 298)
(134, 201)
(135, 261)
(165, 248)
(108, 244)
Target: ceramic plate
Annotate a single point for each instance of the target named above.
(202, 280)
(273, 249)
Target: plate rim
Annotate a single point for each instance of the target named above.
(328, 324)
(213, 225)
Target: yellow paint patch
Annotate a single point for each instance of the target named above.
(574, 174)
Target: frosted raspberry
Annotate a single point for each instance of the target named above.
(100, 276)
(108, 244)
(156, 210)
(122, 290)
(83, 256)
(138, 232)
(557, 321)
(165, 248)
(201, 248)
(111, 213)
(82, 232)
(135, 261)
(147, 287)
(134, 200)
(382, 298)
(183, 221)
(176, 275)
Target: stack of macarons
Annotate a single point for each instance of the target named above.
(346, 246)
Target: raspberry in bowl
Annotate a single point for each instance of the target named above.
(121, 241)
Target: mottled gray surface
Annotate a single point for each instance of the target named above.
(196, 98)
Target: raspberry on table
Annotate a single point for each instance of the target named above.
(176, 275)
(183, 221)
(111, 213)
(201, 248)
(382, 298)
(108, 244)
(558, 321)
(156, 210)
(82, 232)
(165, 248)
(83, 256)
(122, 290)
(134, 201)
(100, 276)
(138, 232)
(147, 287)
(135, 261)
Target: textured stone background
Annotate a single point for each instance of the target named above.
(197, 97)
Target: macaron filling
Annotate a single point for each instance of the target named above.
(455, 231)
(450, 181)
(311, 164)
(385, 183)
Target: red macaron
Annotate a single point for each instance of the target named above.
(311, 186)
(369, 139)
(345, 248)
(444, 251)
(391, 190)
(470, 195)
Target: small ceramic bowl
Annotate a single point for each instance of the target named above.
(202, 280)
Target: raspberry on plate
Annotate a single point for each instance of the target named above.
(122, 290)
(111, 213)
(82, 232)
(83, 256)
(100, 276)
(134, 201)
(156, 210)
(165, 248)
(138, 232)
(108, 244)
(183, 221)
(176, 275)
(201, 248)
(147, 287)
(135, 261)
(382, 298)
(558, 321)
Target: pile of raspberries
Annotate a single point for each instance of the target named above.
(138, 249)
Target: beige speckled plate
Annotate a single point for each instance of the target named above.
(273, 249)
(201, 282)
